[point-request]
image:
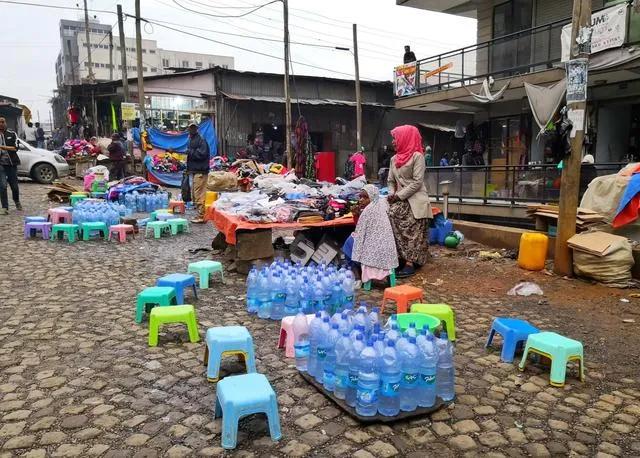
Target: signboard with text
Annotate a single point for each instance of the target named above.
(128, 111)
(404, 80)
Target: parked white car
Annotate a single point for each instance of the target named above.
(39, 164)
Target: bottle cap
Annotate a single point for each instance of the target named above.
(334, 326)
(412, 325)
(359, 336)
(391, 343)
(318, 315)
(412, 340)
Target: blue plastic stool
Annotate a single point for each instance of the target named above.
(242, 395)
(227, 341)
(513, 332)
(179, 282)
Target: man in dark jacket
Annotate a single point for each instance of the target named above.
(409, 56)
(9, 161)
(198, 167)
(40, 137)
(117, 154)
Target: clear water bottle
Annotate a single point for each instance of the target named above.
(393, 333)
(445, 375)
(354, 360)
(301, 341)
(323, 343)
(368, 382)
(345, 322)
(325, 280)
(306, 296)
(390, 378)
(278, 296)
(374, 317)
(393, 319)
(411, 330)
(360, 319)
(410, 363)
(329, 377)
(358, 329)
(402, 341)
(317, 302)
(428, 371)
(336, 297)
(314, 337)
(348, 287)
(344, 347)
(252, 290)
(291, 302)
(264, 295)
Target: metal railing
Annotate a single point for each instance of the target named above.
(504, 184)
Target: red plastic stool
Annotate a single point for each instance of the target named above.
(402, 295)
(177, 206)
(122, 230)
(59, 215)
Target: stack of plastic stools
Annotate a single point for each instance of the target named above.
(441, 311)
(150, 297)
(179, 282)
(178, 225)
(392, 281)
(514, 332)
(228, 341)
(559, 349)
(204, 269)
(158, 228)
(174, 314)
(59, 215)
(94, 226)
(121, 230)
(32, 228)
(242, 395)
(286, 339)
(71, 230)
(402, 295)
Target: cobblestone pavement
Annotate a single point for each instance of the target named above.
(78, 379)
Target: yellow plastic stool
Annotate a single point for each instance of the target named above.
(441, 311)
(173, 314)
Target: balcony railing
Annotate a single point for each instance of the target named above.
(505, 184)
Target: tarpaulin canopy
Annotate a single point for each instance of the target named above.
(179, 142)
(544, 101)
(169, 179)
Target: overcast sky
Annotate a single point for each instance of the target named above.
(30, 37)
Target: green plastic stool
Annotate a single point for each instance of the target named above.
(178, 225)
(175, 314)
(559, 349)
(154, 214)
(75, 199)
(442, 311)
(154, 295)
(391, 277)
(420, 319)
(158, 228)
(91, 226)
(72, 231)
(204, 269)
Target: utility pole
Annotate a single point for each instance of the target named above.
(570, 182)
(110, 56)
(139, 64)
(71, 64)
(91, 77)
(287, 96)
(123, 55)
(358, 96)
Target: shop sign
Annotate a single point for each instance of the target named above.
(404, 80)
(577, 80)
(128, 111)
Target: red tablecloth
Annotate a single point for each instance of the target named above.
(228, 224)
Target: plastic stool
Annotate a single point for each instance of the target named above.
(401, 295)
(286, 339)
(179, 282)
(72, 231)
(94, 226)
(204, 269)
(392, 281)
(153, 216)
(31, 229)
(122, 230)
(241, 395)
(175, 314)
(177, 206)
(178, 225)
(513, 332)
(35, 219)
(559, 349)
(75, 199)
(155, 295)
(165, 216)
(228, 340)
(59, 215)
(158, 227)
(441, 311)
(80, 193)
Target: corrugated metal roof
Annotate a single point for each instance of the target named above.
(260, 98)
(438, 127)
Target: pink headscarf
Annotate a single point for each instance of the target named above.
(408, 142)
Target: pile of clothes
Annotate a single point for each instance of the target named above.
(76, 148)
(169, 162)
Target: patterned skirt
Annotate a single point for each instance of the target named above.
(412, 236)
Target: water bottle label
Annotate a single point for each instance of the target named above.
(428, 379)
(281, 296)
(353, 380)
(301, 350)
(409, 379)
(390, 389)
(342, 381)
(322, 353)
(349, 299)
(367, 395)
(329, 376)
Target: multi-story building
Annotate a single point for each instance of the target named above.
(72, 64)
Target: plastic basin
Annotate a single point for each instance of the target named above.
(420, 319)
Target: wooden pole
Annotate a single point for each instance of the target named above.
(287, 95)
(91, 77)
(570, 182)
(139, 67)
(110, 56)
(358, 96)
(123, 55)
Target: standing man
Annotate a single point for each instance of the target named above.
(409, 56)
(9, 161)
(39, 136)
(30, 134)
(198, 166)
(117, 154)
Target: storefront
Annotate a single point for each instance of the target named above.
(173, 112)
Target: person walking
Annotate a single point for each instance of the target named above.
(30, 134)
(198, 167)
(117, 154)
(409, 207)
(9, 161)
(39, 136)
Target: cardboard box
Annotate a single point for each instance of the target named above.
(302, 249)
(253, 244)
(326, 251)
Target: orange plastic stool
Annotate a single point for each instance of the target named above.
(402, 295)
(177, 206)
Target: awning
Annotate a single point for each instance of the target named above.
(262, 98)
(439, 127)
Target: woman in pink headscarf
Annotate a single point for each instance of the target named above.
(409, 210)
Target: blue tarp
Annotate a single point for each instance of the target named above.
(169, 179)
(179, 142)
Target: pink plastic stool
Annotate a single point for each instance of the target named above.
(59, 215)
(286, 331)
(122, 230)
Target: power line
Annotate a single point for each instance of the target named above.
(54, 6)
(226, 16)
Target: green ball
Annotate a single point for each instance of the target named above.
(451, 241)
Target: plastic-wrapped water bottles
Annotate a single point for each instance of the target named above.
(390, 377)
(278, 296)
(291, 301)
(306, 296)
(252, 290)
(354, 359)
(393, 333)
(329, 376)
(428, 371)
(445, 376)
(264, 295)
(410, 364)
(348, 287)
(368, 382)
(344, 347)
(393, 319)
(323, 344)
(374, 317)
(301, 341)
(314, 337)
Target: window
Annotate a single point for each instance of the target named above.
(144, 69)
(86, 64)
(154, 69)
(198, 64)
(144, 51)
(165, 62)
(211, 65)
(185, 64)
(225, 66)
(508, 18)
(152, 51)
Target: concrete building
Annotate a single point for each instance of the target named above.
(72, 66)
